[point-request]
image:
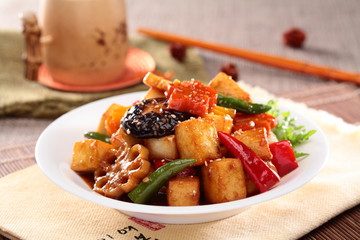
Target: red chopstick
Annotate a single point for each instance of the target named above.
(279, 62)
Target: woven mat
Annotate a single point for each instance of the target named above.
(23, 98)
(340, 99)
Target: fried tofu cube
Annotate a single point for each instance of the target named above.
(183, 191)
(223, 123)
(110, 120)
(197, 138)
(256, 139)
(154, 93)
(219, 110)
(224, 84)
(153, 80)
(223, 180)
(121, 137)
(88, 154)
(101, 127)
(161, 148)
(251, 188)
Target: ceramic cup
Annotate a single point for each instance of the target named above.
(83, 42)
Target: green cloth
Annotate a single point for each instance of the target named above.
(23, 98)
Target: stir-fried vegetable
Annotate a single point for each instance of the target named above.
(98, 136)
(283, 157)
(200, 126)
(262, 175)
(286, 129)
(149, 187)
(241, 105)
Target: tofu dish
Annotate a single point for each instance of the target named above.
(187, 144)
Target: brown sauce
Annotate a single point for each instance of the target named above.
(158, 200)
(88, 178)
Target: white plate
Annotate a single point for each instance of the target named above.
(55, 145)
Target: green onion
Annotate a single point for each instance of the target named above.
(97, 136)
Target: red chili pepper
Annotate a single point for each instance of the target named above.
(159, 163)
(263, 176)
(249, 121)
(283, 157)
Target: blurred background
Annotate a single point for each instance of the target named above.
(331, 28)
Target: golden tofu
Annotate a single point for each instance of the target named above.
(219, 110)
(256, 139)
(111, 119)
(101, 127)
(183, 191)
(224, 84)
(251, 188)
(223, 180)
(223, 123)
(154, 93)
(121, 137)
(88, 154)
(161, 148)
(153, 80)
(197, 138)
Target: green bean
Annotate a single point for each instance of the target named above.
(146, 189)
(241, 105)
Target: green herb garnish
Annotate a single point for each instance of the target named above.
(286, 129)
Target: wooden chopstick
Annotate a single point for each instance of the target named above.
(279, 62)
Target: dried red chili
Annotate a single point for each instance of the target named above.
(294, 37)
(178, 51)
(231, 70)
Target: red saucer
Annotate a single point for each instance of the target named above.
(137, 64)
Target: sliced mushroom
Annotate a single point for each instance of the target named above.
(150, 118)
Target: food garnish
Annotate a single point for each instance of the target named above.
(286, 128)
